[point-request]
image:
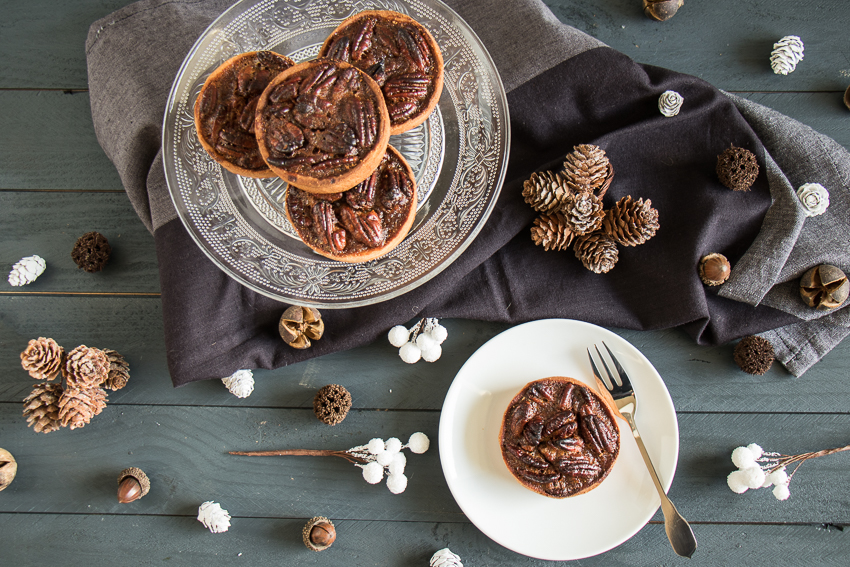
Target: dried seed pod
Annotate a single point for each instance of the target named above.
(737, 168)
(847, 97)
(661, 10)
(133, 483)
(319, 533)
(754, 355)
(300, 324)
(91, 252)
(824, 287)
(714, 269)
(8, 469)
(331, 404)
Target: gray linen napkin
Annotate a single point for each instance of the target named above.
(130, 79)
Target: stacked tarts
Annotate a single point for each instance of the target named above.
(324, 126)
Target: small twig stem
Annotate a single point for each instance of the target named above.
(303, 452)
(785, 460)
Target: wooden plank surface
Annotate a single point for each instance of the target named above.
(56, 183)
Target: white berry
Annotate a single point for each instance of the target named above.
(736, 482)
(373, 473)
(753, 476)
(398, 335)
(376, 446)
(419, 443)
(432, 354)
(756, 450)
(781, 492)
(425, 342)
(393, 445)
(439, 333)
(398, 464)
(410, 353)
(384, 459)
(743, 458)
(396, 483)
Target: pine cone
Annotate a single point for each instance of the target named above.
(631, 222)
(552, 232)
(91, 252)
(584, 213)
(119, 371)
(26, 270)
(41, 407)
(587, 170)
(545, 191)
(77, 407)
(737, 168)
(43, 358)
(787, 52)
(86, 368)
(597, 251)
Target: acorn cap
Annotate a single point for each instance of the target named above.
(330, 536)
(140, 476)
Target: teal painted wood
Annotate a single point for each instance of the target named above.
(49, 142)
(49, 224)
(93, 540)
(48, 39)
(699, 378)
(183, 451)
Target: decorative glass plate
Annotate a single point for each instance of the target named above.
(459, 156)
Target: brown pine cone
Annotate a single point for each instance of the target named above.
(552, 232)
(41, 407)
(85, 368)
(331, 404)
(91, 252)
(584, 213)
(119, 371)
(587, 170)
(597, 251)
(737, 168)
(631, 222)
(43, 358)
(545, 191)
(77, 407)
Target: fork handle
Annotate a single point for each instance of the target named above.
(678, 530)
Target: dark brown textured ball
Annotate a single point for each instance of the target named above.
(737, 168)
(91, 252)
(754, 355)
(332, 403)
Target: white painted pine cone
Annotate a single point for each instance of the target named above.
(214, 517)
(445, 558)
(814, 197)
(787, 52)
(27, 270)
(669, 103)
(240, 383)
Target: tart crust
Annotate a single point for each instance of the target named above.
(324, 115)
(221, 97)
(392, 81)
(559, 438)
(395, 220)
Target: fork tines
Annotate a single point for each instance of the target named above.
(612, 382)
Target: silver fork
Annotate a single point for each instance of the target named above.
(622, 395)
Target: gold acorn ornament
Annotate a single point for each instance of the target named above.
(8, 469)
(661, 10)
(300, 324)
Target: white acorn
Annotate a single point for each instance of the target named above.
(240, 383)
(787, 52)
(445, 558)
(26, 270)
(214, 517)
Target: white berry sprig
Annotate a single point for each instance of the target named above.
(760, 469)
(375, 458)
(423, 340)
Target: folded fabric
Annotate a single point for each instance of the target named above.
(564, 88)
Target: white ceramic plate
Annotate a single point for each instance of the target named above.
(514, 516)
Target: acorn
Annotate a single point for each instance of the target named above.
(824, 287)
(714, 269)
(133, 483)
(661, 10)
(847, 97)
(319, 533)
(8, 468)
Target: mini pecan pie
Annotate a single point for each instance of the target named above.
(224, 110)
(362, 223)
(323, 126)
(559, 438)
(400, 54)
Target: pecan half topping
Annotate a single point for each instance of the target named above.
(558, 438)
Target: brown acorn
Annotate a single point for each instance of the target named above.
(133, 483)
(847, 97)
(661, 10)
(319, 533)
(714, 269)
